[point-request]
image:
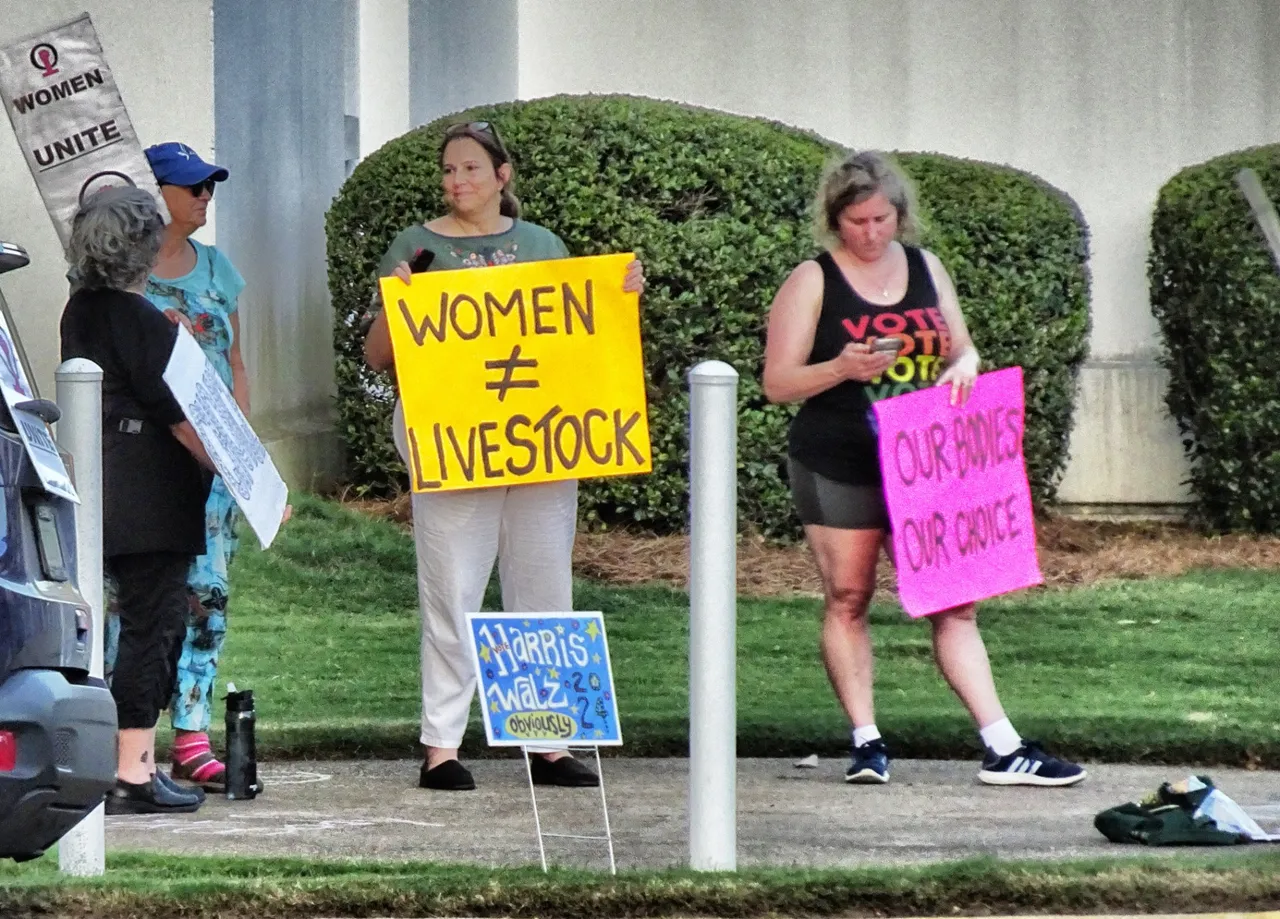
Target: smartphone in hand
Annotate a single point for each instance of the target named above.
(421, 261)
(891, 344)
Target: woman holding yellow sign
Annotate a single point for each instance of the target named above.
(528, 529)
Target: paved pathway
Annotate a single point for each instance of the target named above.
(931, 811)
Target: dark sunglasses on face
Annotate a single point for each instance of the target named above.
(197, 189)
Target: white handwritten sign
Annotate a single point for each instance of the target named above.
(241, 459)
(16, 388)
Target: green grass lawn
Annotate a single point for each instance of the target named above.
(232, 888)
(325, 630)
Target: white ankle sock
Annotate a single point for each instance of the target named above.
(1001, 738)
(865, 734)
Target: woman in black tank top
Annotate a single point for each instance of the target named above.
(868, 319)
(833, 434)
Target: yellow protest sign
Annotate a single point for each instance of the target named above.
(520, 373)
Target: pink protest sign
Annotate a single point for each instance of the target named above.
(955, 481)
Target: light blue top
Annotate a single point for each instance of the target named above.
(208, 296)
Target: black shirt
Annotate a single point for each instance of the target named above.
(834, 432)
(154, 490)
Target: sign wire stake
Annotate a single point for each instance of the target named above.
(604, 805)
(537, 820)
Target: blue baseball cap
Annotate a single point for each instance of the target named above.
(178, 164)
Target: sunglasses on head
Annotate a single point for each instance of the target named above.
(463, 128)
(197, 189)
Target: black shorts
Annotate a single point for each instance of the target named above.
(825, 502)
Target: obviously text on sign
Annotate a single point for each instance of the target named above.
(545, 679)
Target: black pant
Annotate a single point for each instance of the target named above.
(152, 592)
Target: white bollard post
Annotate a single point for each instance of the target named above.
(82, 852)
(713, 608)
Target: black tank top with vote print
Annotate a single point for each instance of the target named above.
(834, 432)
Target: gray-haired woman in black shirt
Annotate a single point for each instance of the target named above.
(155, 476)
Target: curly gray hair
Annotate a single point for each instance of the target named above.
(852, 180)
(115, 238)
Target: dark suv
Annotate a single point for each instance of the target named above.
(57, 724)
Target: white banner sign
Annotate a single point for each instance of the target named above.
(70, 120)
(1263, 210)
(16, 388)
(241, 459)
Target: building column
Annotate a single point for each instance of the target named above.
(383, 73)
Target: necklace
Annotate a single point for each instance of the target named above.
(862, 270)
(884, 285)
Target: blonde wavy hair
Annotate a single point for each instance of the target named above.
(853, 179)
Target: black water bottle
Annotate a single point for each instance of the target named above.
(242, 757)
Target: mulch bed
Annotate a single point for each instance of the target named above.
(1073, 552)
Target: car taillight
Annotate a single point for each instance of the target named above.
(8, 751)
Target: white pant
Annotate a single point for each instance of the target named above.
(529, 530)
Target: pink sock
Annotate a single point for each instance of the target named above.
(193, 748)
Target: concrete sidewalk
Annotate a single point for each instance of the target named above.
(932, 811)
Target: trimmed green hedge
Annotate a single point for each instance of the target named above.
(1216, 293)
(717, 205)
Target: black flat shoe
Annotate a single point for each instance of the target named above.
(450, 775)
(172, 784)
(566, 772)
(152, 797)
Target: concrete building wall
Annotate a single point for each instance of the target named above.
(1106, 99)
(461, 53)
(280, 99)
(161, 53)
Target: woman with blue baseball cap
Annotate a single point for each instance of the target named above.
(155, 473)
(198, 283)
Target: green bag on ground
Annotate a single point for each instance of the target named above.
(1167, 817)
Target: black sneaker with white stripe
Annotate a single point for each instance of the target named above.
(870, 764)
(1029, 765)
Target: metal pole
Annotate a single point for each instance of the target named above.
(713, 599)
(82, 852)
